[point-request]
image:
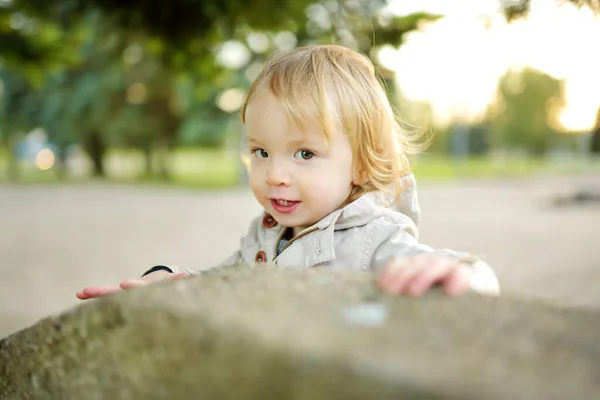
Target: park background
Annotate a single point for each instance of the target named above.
(120, 135)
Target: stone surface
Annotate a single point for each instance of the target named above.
(266, 333)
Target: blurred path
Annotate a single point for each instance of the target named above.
(56, 239)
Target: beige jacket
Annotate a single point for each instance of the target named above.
(362, 236)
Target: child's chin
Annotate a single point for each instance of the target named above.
(290, 221)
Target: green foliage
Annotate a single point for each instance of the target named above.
(394, 29)
(522, 118)
(18, 102)
(595, 140)
(175, 21)
(516, 9)
(15, 46)
(205, 128)
(134, 74)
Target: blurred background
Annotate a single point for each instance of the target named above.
(120, 135)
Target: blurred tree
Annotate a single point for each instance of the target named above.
(595, 141)
(148, 75)
(29, 49)
(522, 114)
(364, 25)
(18, 104)
(176, 21)
(83, 99)
(80, 97)
(16, 46)
(514, 9)
(53, 99)
(176, 39)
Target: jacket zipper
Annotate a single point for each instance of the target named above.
(292, 240)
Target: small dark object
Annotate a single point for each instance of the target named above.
(579, 197)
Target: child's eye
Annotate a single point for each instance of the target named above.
(260, 153)
(304, 155)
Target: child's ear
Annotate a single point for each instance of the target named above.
(359, 176)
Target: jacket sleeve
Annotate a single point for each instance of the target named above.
(234, 258)
(174, 269)
(398, 240)
(251, 237)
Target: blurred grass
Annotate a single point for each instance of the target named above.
(436, 167)
(219, 169)
(196, 168)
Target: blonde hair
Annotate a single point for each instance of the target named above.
(340, 88)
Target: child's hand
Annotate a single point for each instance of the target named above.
(91, 292)
(414, 276)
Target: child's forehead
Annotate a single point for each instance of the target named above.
(288, 133)
(300, 108)
(308, 114)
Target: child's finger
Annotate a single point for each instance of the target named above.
(98, 291)
(82, 296)
(133, 283)
(392, 272)
(433, 272)
(391, 269)
(456, 283)
(179, 276)
(397, 282)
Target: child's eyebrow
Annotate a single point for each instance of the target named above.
(305, 142)
(252, 140)
(297, 142)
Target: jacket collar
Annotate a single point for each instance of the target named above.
(375, 204)
(358, 213)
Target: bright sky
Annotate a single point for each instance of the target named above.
(455, 63)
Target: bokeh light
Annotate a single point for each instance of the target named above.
(133, 54)
(258, 42)
(233, 54)
(231, 100)
(136, 93)
(44, 159)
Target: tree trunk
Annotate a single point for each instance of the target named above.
(595, 140)
(96, 149)
(166, 138)
(148, 161)
(61, 162)
(162, 106)
(12, 163)
(163, 151)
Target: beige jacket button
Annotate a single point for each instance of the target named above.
(261, 257)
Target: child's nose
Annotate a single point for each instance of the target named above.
(278, 176)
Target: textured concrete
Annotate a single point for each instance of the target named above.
(267, 333)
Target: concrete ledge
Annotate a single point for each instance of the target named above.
(260, 332)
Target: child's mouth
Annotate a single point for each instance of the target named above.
(284, 206)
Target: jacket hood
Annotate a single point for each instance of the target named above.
(374, 205)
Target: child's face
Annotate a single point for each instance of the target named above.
(295, 174)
